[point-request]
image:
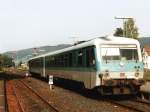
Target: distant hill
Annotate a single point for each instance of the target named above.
(25, 54)
(144, 41)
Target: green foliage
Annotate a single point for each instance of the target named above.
(118, 32)
(20, 63)
(130, 30)
(6, 61)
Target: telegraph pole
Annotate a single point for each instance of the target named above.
(124, 18)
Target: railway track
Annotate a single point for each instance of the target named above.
(31, 90)
(137, 105)
(21, 109)
(143, 101)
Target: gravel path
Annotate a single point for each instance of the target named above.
(69, 101)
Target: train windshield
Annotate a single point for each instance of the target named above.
(119, 52)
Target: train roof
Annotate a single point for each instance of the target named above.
(99, 40)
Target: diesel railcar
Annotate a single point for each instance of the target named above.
(111, 64)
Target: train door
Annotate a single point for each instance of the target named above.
(90, 65)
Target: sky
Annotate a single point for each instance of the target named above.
(33, 23)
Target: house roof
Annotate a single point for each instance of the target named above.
(147, 49)
(144, 41)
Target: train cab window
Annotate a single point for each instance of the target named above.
(90, 58)
(129, 54)
(119, 52)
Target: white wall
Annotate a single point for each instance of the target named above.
(148, 62)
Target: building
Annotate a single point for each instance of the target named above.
(146, 56)
(145, 46)
(144, 41)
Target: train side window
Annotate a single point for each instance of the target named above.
(52, 61)
(74, 58)
(80, 58)
(70, 59)
(47, 61)
(65, 60)
(56, 61)
(60, 61)
(90, 58)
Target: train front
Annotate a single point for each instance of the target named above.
(121, 69)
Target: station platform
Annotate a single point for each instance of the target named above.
(2, 96)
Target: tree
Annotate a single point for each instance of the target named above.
(118, 32)
(130, 30)
(20, 63)
(6, 61)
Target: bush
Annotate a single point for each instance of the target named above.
(147, 74)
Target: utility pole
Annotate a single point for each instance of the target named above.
(124, 18)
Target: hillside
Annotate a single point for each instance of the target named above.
(25, 54)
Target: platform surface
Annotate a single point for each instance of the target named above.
(2, 96)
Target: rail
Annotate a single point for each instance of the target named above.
(135, 105)
(38, 95)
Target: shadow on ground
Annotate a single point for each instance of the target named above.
(79, 89)
(9, 76)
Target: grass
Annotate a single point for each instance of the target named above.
(147, 74)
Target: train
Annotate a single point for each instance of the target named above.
(112, 65)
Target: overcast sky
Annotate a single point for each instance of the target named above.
(32, 23)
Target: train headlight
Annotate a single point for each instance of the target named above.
(106, 74)
(122, 64)
(137, 74)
